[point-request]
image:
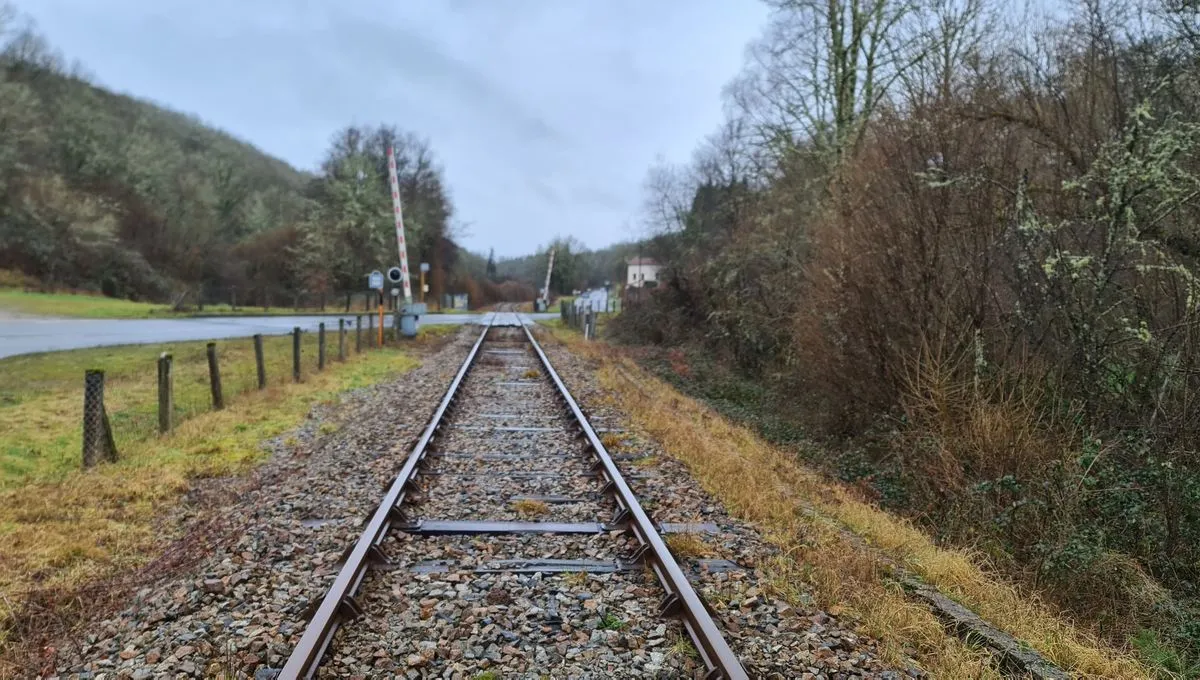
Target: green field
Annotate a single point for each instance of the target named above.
(61, 526)
(75, 305)
(78, 305)
(41, 394)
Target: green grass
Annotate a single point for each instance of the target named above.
(82, 306)
(41, 395)
(610, 621)
(74, 305)
(61, 526)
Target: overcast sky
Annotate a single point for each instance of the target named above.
(545, 113)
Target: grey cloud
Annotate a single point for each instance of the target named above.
(545, 114)
(424, 61)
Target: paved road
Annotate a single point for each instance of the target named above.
(29, 335)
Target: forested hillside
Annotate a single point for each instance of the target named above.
(957, 240)
(104, 192)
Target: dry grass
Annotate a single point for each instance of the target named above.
(612, 441)
(527, 507)
(688, 546)
(531, 374)
(807, 517)
(576, 578)
(61, 527)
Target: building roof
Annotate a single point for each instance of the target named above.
(635, 261)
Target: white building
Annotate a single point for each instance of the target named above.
(641, 270)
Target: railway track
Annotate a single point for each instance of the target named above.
(508, 530)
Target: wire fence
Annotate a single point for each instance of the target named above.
(195, 378)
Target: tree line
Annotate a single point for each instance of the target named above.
(104, 192)
(576, 267)
(956, 239)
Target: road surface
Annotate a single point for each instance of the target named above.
(27, 335)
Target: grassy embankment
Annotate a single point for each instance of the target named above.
(60, 526)
(813, 520)
(83, 306)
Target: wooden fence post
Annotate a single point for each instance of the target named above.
(296, 354)
(341, 339)
(166, 400)
(370, 330)
(321, 346)
(358, 333)
(259, 363)
(214, 377)
(98, 444)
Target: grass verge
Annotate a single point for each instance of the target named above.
(84, 306)
(808, 516)
(61, 527)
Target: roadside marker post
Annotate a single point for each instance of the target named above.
(375, 282)
(424, 288)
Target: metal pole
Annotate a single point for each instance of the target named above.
(165, 399)
(370, 330)
(214, 377)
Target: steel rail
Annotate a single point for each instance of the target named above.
(681, 599)
(338, 604)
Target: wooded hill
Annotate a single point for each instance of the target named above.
(105, 192)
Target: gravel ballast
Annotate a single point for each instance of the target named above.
(455, 606)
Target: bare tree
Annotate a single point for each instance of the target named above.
(823, 68)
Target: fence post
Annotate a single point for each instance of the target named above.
(98, 444)
(562, 310)
(370, 330)
(166, 401)
(214, 377)
(296, 354)
(341, 339)
(358, 333)
(260, 364)
(321, 346)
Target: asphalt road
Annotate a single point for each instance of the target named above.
(27, 335)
